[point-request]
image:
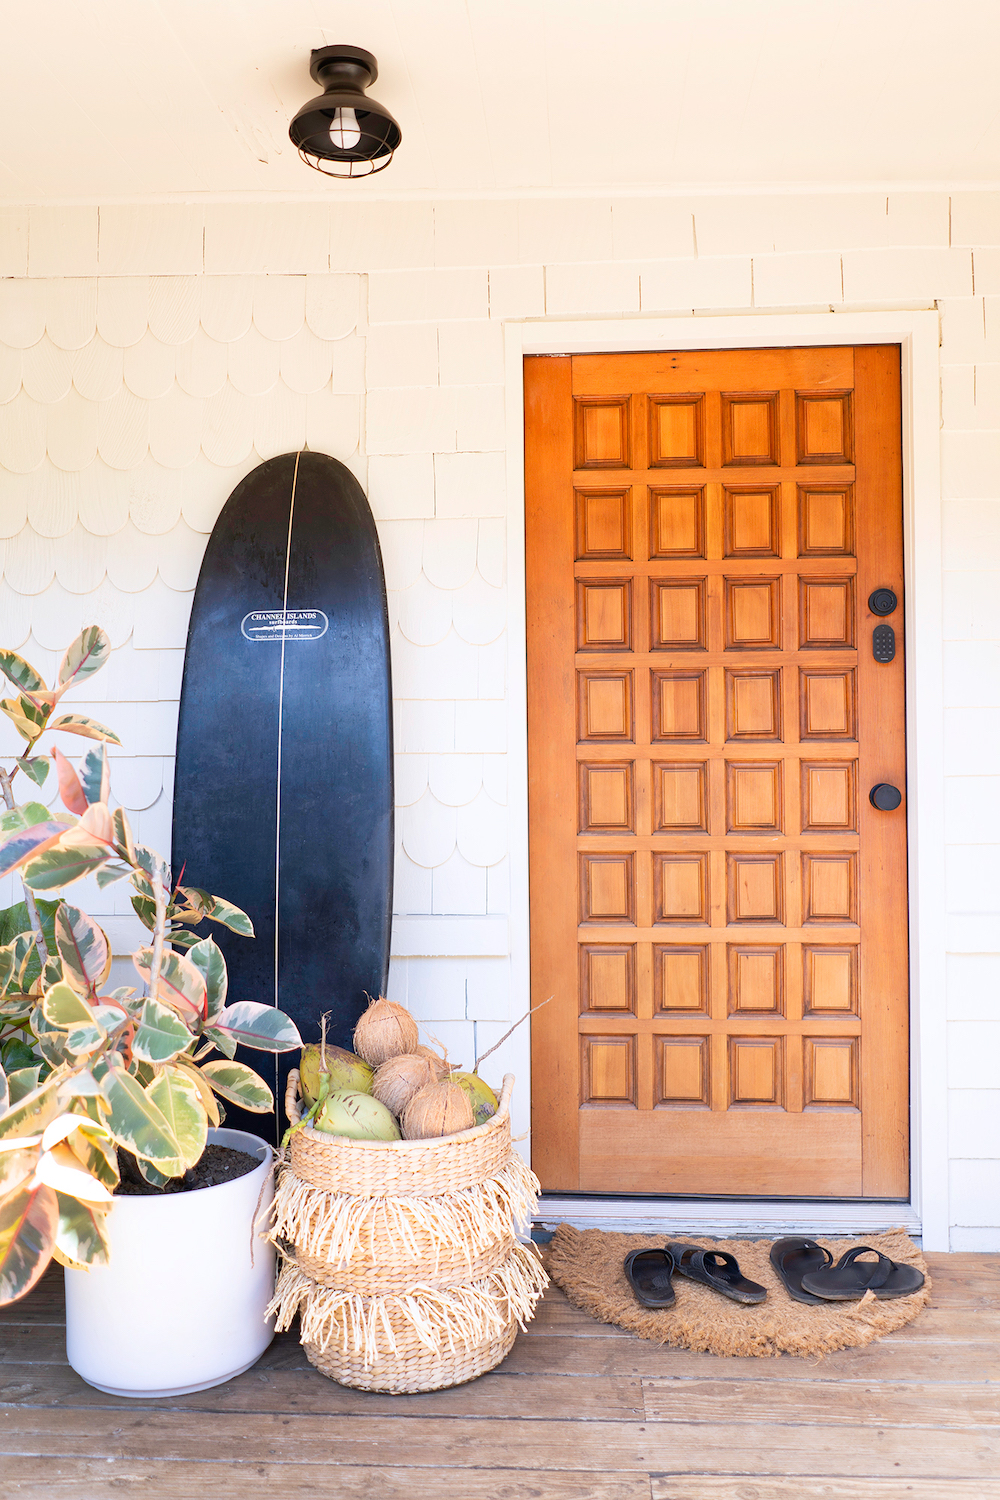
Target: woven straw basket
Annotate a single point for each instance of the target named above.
(401, 1256)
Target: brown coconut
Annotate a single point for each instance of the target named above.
(385, 1030)
(437, 1109)
(397, 1080)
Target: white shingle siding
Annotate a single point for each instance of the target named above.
(150, 356)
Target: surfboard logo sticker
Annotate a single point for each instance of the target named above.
(284, 625)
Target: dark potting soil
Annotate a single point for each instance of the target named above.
(217, 1164)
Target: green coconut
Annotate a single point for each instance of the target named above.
(358, 1116)
(482, 1098)
(344, 1070)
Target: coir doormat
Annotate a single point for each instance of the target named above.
(587, 1264)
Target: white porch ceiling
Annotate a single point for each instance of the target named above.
(105, 100)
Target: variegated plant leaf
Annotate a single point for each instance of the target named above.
(81, 1236)
(240, 1085)
(21, 1081)
(76, 855)
(24, 722)
(109, 874)
(222, 1040)
(161, 1034)
(70, 790)
(262, 1027)
(123, 834)
(95, 776)
(63, 1007)
(212, 1108)
(37, 769)
(26, 843)
(20, 672)
(84, 656)
(62, 1170)
(29, 1220)
(90, 729)
(135, 1121)
(180, 984)
(179, 1101)
(206, 956)
(83, 948)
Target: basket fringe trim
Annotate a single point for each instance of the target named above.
(461, 1317)
(337, 1227)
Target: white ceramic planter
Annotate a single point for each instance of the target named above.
(179, 1308)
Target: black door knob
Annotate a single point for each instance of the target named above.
(885, 797)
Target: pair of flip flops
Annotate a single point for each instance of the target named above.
(649, 1274)
(809, 1274)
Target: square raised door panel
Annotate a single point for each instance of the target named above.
(753, 797)
(756, 888)
(678, 706)
(827, 704)
(677, 431)
(756, 980)
(604, 706)
(680, 803)
(604, 614)
(826, 520)
(677, 614)
(607, 887)
(607, 977)
(677, 522)
(829, 796)
(602, 437)
(682, 1071)
(829, 980)
(680, 887)
(757, 1071)
(826, 612)
(750, 522)
(830, 1072)
(829, 887)
(750, 428)
(753, 704)
(680, 980)
(603, 523)
(753, 614)
(607, 800)
(607, 1073)
(824, 431)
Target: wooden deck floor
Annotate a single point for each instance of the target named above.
(579, 1411)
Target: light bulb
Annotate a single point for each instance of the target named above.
(345, 132)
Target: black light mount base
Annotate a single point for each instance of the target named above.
(342, 132)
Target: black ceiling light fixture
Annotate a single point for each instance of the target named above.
(341, 132)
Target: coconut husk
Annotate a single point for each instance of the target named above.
(385, 1030)
(438, 1109)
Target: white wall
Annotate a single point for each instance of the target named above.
(150, 356)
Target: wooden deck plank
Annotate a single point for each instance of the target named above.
(542, 1445)
(88, 1479)
(707, 1487)
(569, 1355)
(832, 1404)
(303, 1392)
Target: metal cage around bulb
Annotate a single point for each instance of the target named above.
(345, 73)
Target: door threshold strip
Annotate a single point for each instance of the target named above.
(724, 1218)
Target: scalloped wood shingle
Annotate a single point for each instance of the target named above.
(401, 543)
(22, 434)
(429, 831)
(98, 369)
(333, 423)
(29, 564)
(205, 488)
(448, 669)
(423, 612)
(176, 421)
(80, 559)
(155, 494)
(103, 498)
(46, 371)
(174, 308)
(227, 437)
(226, 306)
(131, 558)
(137, 781)
(279, 305)
(179, 554)
(409, 778)
(122, 309)
(449, 554)
(15, 616)
(14, 492)
(480, 611)
(162, 622)
(279, 424)
(306, 361)
(10, 372)
(70, 310)
(52, 500)
(254, 363)
(123, 430)
(71, 434)
(202, 365)
(332, 304)
(481, 831)
(22, 313)
(455, 779)
(148, 367)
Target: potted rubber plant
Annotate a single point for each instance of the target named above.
(116, 1097)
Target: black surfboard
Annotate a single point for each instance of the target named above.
(283, 798)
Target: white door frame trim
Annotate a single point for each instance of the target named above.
(917, 332)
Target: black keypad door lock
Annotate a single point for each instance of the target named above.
(882, 601)
(885, 796)
(883, 643)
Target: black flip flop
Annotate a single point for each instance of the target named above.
(717, 1269)
(649, 1273)
(794, 1256)
(850, 1278)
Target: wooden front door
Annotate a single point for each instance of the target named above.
(717, 908)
